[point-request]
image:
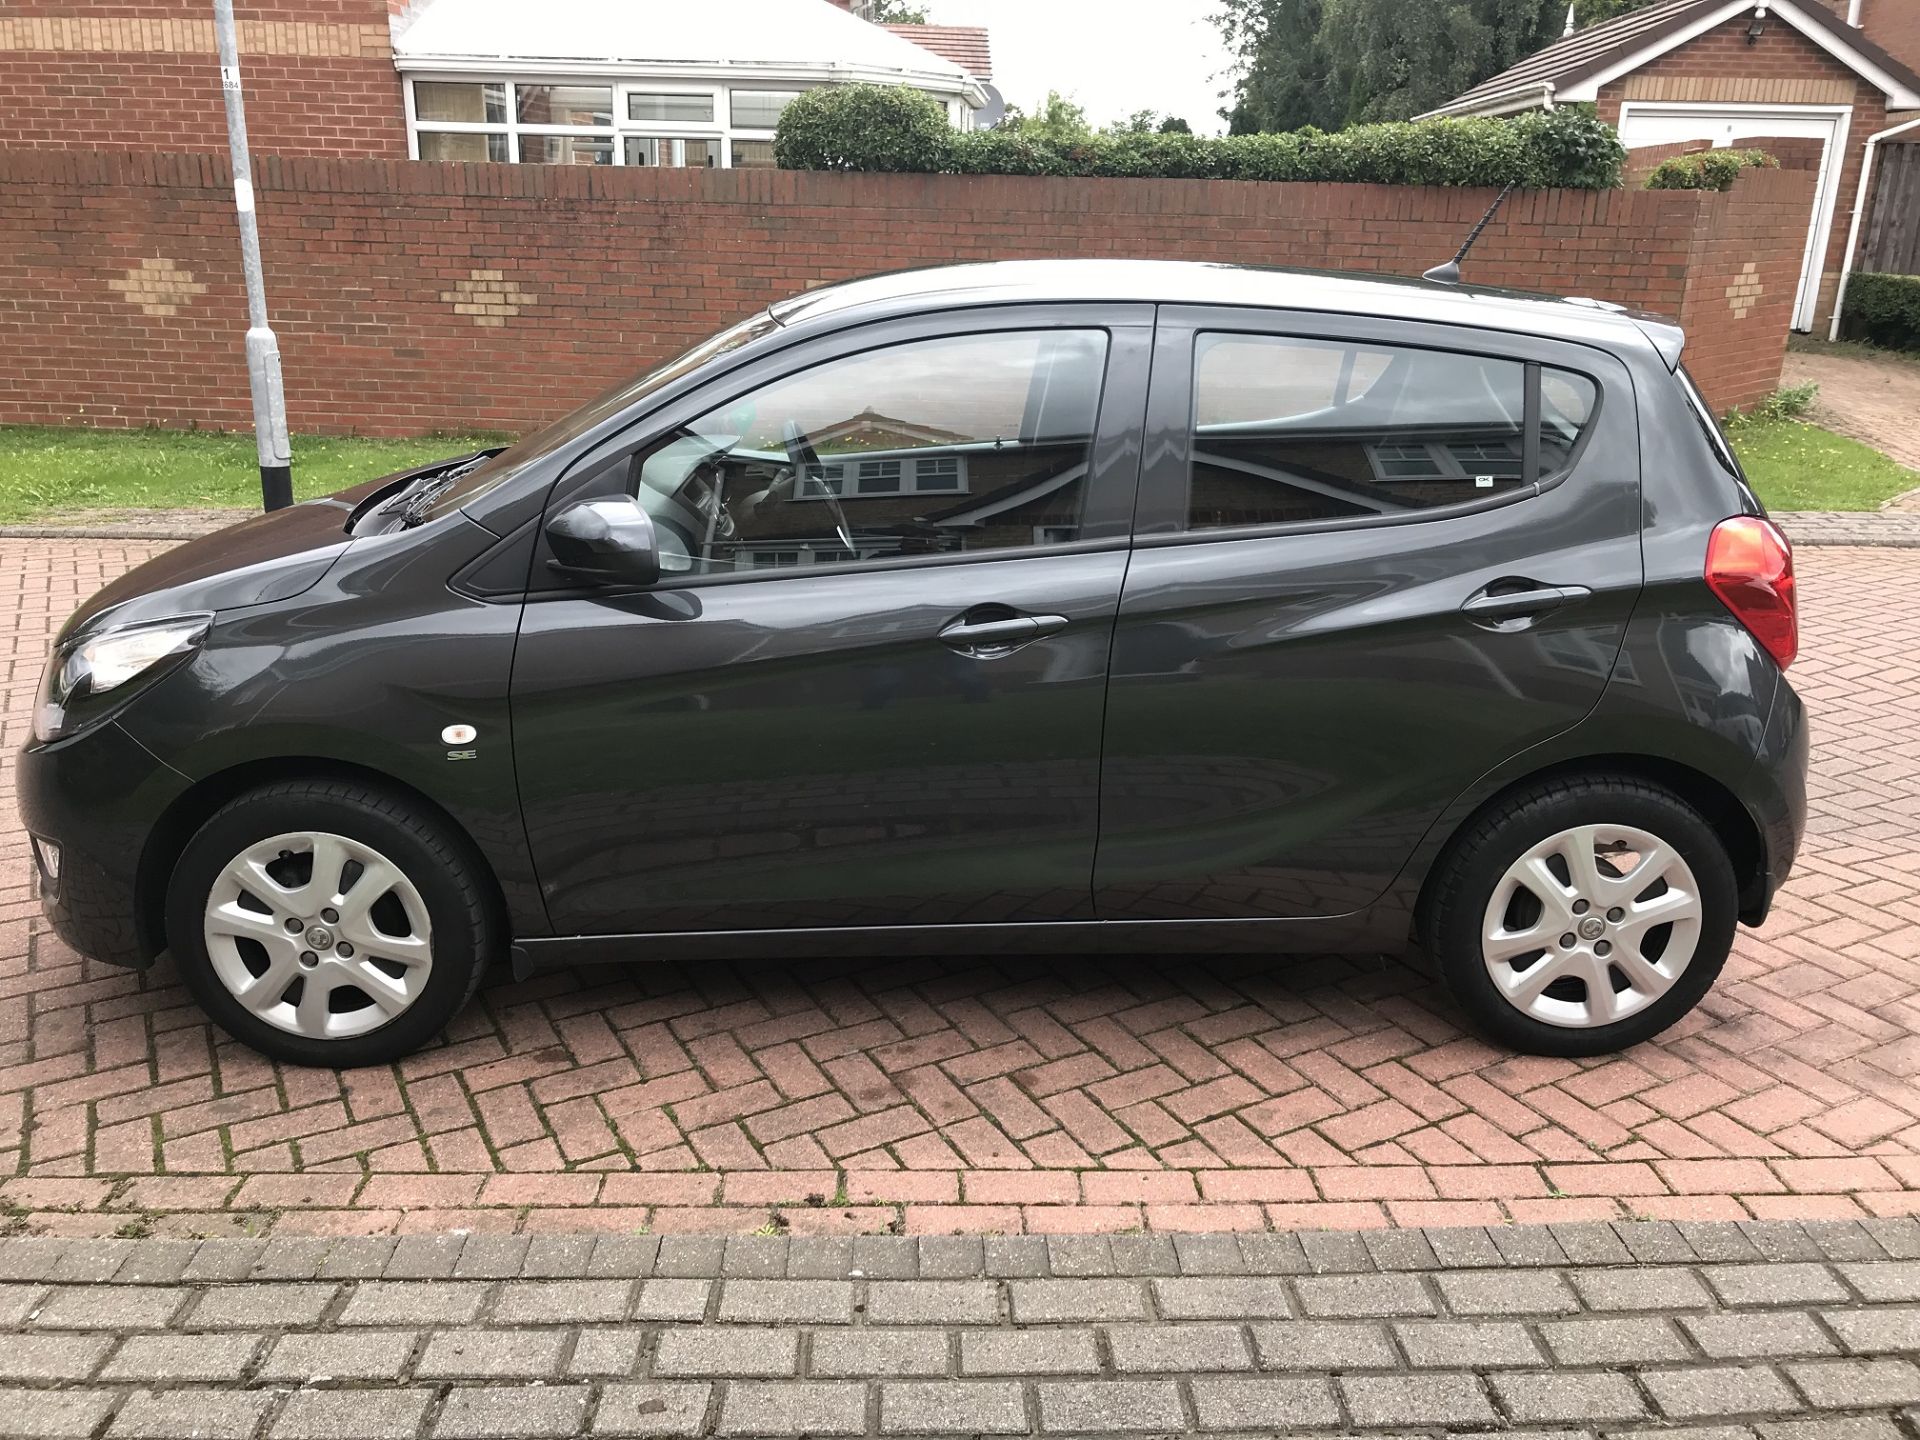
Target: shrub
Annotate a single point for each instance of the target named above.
(863, 127)
(1788, 403)
(1708, 169)
(1883, 310)
(869, 127)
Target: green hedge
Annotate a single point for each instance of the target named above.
(1708, 169)
(874, 127)
(1883, 310)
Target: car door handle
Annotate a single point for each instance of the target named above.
(1000, 634)
(1517, 604)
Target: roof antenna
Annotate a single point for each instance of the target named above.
(1449, 273)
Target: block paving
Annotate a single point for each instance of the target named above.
(1759, 1330)
(1001, 1095)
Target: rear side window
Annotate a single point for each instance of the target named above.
(1710, 427)
(1295, 430)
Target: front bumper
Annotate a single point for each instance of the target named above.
(96, 796)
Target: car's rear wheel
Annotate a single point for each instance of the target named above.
(325, 923)
(1582, 915)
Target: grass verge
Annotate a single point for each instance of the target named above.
(1797, 466)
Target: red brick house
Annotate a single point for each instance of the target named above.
(1830, 76)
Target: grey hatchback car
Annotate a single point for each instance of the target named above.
(1014, 608)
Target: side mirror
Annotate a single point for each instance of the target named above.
(609, 541)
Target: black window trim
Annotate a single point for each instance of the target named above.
(1181, 329)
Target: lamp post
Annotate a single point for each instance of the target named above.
(263, 350)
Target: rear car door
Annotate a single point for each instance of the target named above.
(1375, 559)
(867, 690)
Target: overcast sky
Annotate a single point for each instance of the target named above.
(1111, 56)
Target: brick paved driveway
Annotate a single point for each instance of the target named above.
(1871, 399)
(949, 1095)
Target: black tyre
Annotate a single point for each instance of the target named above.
(326, 923)
(1582, 915)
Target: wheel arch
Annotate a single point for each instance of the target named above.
(198, 804)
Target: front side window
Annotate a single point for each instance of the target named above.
(1296, 430)
(937, 447)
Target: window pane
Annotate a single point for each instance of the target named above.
(753, 155)
(697, 108)
(660, 150)
(1296, 430)
(466, 145)
(471, 104)
(1567, 403)
(760, 109)
(564, 104)
(975, 442)
(565, 149)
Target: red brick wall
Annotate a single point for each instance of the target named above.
(1893, 25)
(143, 74)
(1765, 71)
(413, 297)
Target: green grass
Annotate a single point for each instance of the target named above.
(1797, 466)
(48, 469)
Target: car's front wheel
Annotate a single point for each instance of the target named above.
(1582, 915)
(326, 923)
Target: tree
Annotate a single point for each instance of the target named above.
(1284, 71)
(1174, 125)
(896, 12)
(1596, 12)
(1059, 120)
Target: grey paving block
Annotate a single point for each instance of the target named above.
(1038, 1302)
(1120, 1407)
(1155, 1255)
(965, 1407)
(1352, 1297)
(606, 1352)
(820, 1257)
(1462, 1247)
(950, 1257)
(181, 1359)
(690, 1257)
(513, 1412)
(1615, 1340)
(1270, 1403)
(1568, 1397)
(55, 1414)
(1794, 1284)
(1012, 1257)
(562, 1302)
(932, 1302)
(424, 1257)
(52, 1357)
(1336, 1252)
(1416, 1400)
(1709, 1391)
(1831, 1427)
(111, 1307)
(1238, 1298)
(1467, 1344)
(408, 1302)
(1857, 1384)
(1589, 1242)
(1203, 1254)
(1655, 1242)
(1080, 1257)
(1866, 1331)
(1399, 1250)
(787, 1302)
(358, 1257)
(190, 1415)
(848, 1354)
(291, 1257)
(31, 1257)
(1898, 1236)
(673, 1299)
(1767, 1335)
(351, 1415)
(1531, 1245)
(623, 1257)
(650, 1410)
(470, 1354)
(700, 1352)
(754, 1257)
(1884, 1281)
(1719, 1241)
(1506, 1292)
(224, 1259)
(1844, 1240)
(259, 1307)
(339, 1355)
(91, 1262)
(1277, 1254)
(798, 1407)
(1781, 1240)
(1324, 1345)
(157, 1262)
(1177, 1349)
(897, 1257)
(1053, 1351)
(557, 1257)
(1656, 1288)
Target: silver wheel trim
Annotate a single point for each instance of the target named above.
(325, 955)
(1525, 962)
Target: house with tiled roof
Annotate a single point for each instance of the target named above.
(1838, 80)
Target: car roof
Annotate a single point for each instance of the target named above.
(1191, 282)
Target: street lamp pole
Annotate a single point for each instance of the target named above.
(263, 350)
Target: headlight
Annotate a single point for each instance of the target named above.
(105, 661)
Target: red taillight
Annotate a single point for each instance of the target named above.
(1750, 567)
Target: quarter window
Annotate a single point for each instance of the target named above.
(938, 447)
(1296, 430)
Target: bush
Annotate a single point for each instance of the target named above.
(1883, 310)
(863, 127)
(1788, 403)
(871, 127)
(1708, 169)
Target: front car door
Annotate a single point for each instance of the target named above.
(867, 690)
(1326, 633)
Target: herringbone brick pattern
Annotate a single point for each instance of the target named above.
(1002, 1095)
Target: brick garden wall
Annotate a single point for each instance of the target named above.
(413, 297)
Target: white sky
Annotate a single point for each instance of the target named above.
(1111, 56)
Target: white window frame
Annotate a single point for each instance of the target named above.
(843, 470)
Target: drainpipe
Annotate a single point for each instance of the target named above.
(1860, 214)
(1853, 13)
